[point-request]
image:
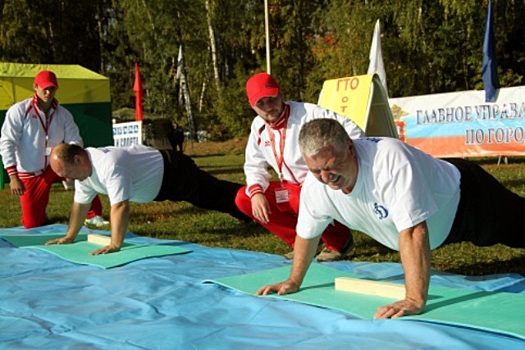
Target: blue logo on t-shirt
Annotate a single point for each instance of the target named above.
(381, 212)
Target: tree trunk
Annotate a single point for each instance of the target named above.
(213, 46)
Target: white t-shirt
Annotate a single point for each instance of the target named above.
(130, 173)
(397, 187)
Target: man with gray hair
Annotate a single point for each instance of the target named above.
(403, 198)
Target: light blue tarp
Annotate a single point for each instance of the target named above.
(161, 303)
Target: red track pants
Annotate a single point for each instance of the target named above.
(36, 196)
(283, 218)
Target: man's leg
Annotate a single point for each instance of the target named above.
(488, 212)
(95, 209)
(184, 181)
(337, 239)
(36, 197)
(282, 218)
(33, 202)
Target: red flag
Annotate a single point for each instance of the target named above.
(137, 87)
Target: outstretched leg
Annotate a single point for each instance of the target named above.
(488, 212)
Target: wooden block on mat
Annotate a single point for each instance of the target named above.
(98, 239)
(381, 289)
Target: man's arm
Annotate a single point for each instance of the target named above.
(9, 142)
(76, 218)
(414, 249)
(119, 225)
(303, 254)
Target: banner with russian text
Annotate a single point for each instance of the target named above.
(462, 124)
(127, 134)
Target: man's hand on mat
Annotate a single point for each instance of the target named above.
(61, 240)
(280, 288)
(107, 249)
(399, 308)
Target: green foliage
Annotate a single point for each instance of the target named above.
(428, 47)
(235, 118)
(57, 32)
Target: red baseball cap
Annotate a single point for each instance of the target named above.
(261, 85)
(45, 79)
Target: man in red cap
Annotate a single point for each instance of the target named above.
(273, 142)
(31, 129)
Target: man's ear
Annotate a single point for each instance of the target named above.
(350, 145)
(78, 159)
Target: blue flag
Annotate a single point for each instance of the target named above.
(489, 69)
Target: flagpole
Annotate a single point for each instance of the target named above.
(267, 31)
(489, 68)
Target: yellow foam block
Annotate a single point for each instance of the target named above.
(381, 289)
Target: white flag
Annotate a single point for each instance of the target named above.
(376, 57)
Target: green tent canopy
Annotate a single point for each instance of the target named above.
(83, 92)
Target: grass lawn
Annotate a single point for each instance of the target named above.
(182, 221)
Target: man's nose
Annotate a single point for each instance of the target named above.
(325, 176)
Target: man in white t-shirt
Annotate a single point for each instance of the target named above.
(136, 174)
(401, 197)
(273, 144)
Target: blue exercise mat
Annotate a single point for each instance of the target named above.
(161, 303)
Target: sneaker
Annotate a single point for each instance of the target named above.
(69, 185)
(97, 221)
(333, 255)
(289, 255)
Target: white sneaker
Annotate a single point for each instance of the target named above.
(97, 221)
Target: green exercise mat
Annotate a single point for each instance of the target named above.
(79, 252)
(32, 239)
(493, 311)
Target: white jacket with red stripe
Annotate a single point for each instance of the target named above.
(23, 137)
(260, 153)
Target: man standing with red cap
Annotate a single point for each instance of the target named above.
(31, 129)
(273, 142)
